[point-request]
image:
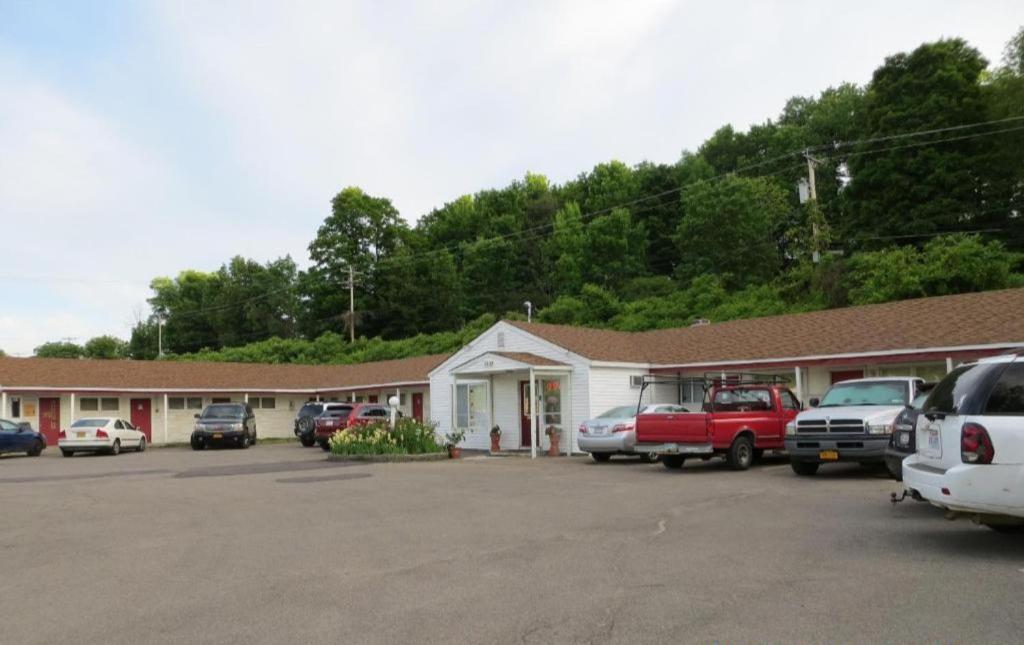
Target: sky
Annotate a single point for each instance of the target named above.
(139, 139)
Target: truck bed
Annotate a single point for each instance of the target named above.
(691, 427)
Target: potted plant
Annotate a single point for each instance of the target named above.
(554, 433)
(495, 439)
(452, 441)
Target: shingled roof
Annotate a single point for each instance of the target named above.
(194, 376)
(965, 320)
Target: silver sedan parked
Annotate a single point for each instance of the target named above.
(614, 432)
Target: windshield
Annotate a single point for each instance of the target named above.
(867, 393)
(621, 412)
(224, 412)
(89, 423)
(311, 410)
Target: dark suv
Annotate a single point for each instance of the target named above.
(305, 422)
(232, 423)
(902, 441)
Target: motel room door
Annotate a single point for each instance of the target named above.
(417, 406)
(49, 419)
(142, 417)
(525, 438)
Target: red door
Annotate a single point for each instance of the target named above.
(846, 375)
(49, 420)
(142, 417)
(417, 406)
(525, 436)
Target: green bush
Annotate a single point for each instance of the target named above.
(410, 437)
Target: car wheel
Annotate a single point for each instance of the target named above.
(245, 442)
(37, 449)
(116, 448)
(325, 446)
(895, 469)
(142, 444)
(673, 462)
(307, 442)
(1008, 529)
(600, 457)
(67, 453)
(197, 444)
(804, 468)
(741, 453)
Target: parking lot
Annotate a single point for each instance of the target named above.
(274, 544)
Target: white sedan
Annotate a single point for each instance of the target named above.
(100, 434)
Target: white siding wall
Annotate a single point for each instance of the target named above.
(609, 387)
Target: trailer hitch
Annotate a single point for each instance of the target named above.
(896, 500)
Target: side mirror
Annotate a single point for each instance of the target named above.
(814, 401)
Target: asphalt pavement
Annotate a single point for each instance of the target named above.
(277, 545)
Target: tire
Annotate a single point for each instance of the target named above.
(741, 453)
(254, 437)
(326, 447)
(673, 462)
(116, 448)
(245, 443)
(37, 449)
(67, 453)
(197, 444)
(1007, 529)
(601, 457)
(307, 442)
(142, 445)
(895, 469)
(804, 468)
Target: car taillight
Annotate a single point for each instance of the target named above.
(583, 428)
(101, 434)
(975, 445)
(62, 435)
(622, 427)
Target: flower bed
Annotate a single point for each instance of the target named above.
(410, 437)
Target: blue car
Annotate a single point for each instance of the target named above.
(20, 437)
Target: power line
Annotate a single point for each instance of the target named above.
(918, 133)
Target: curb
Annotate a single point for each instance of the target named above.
(430, 456)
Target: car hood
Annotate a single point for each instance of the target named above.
(869, 413)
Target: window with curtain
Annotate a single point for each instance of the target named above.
(471, 407)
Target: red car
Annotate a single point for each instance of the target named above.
(739, 422)
(339, 416)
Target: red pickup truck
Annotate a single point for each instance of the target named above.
(739, 422)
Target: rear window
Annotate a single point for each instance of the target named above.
(89, 423)
(621, 412)
(339, 413)
(1007, 396)
(958, 391)
(311, 410)
(742, 400)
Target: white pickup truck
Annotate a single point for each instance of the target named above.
(970, 445)
(852, 422)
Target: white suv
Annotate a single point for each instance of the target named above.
(970, 445)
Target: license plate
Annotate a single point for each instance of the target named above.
(599, 430)
(80, 435)
(217, 435)
(934, 440)
(828, 455)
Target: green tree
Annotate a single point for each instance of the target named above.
(930, 187)
(59, 349)
(418, 293)
(106, 347)
(731, 228)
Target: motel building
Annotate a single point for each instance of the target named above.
(163, 397)
(528, 377)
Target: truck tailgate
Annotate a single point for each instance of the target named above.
(673, 428)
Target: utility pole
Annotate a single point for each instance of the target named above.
(160, 337)
(351, 303)
(812, 185)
